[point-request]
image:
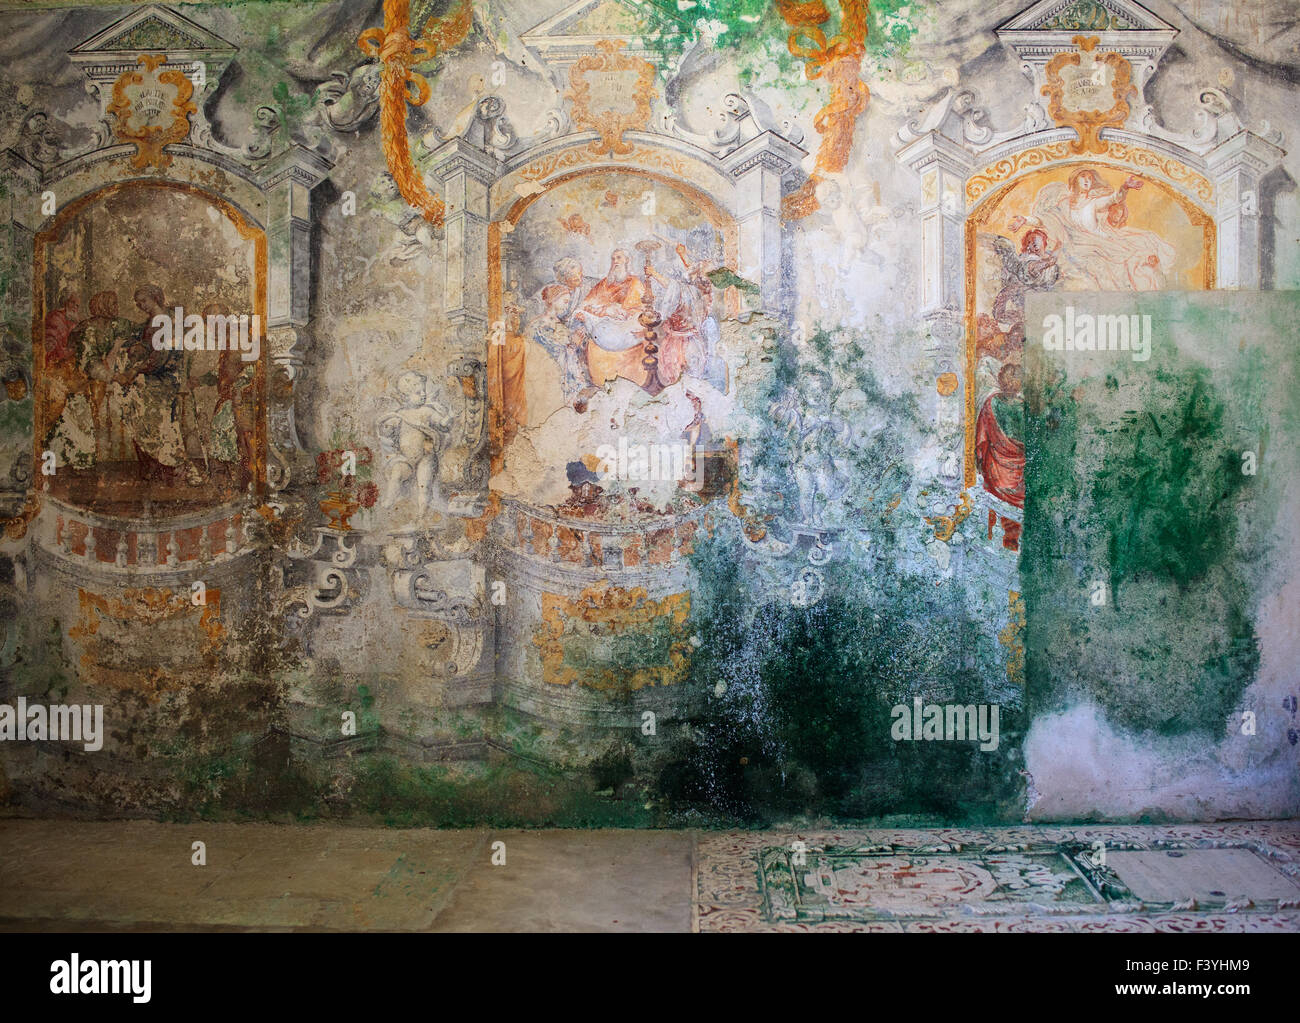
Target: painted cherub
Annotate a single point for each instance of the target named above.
(417, 235)
(414, 436)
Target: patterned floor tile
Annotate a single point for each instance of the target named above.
(1039, 879)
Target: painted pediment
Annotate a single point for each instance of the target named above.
(1050, 27)
(574, 31)
(1086, 16)
(153, 29)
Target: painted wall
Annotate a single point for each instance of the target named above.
(652, 420)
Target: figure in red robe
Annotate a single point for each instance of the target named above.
(59, 324)
(1000, 449)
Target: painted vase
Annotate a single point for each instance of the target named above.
(339, 506)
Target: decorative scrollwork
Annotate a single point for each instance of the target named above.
(149, 139)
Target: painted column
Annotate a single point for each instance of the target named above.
(288, 182)
(466, 175)
(943, 167)
(20, 215)
(1237, 166)
(759, 168)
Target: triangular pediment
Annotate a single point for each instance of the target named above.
(1085, 16)
(1049, 27)
(576, 29)
(155, 29)
(604, 18)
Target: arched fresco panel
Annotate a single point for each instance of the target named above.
(1073, 226)
(134, 429)
(612, 285)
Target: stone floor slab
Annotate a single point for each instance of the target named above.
(256, 876)
(577, 881)
(1206, 875)
(137, 876)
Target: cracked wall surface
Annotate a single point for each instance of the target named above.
(608, 414)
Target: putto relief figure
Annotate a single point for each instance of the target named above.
(413, 437)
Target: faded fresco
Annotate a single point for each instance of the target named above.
(136, 427)
(1060, 231)
(599, 412)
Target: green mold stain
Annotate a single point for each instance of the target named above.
(755, 34)
(795, 702)
(1145, 542)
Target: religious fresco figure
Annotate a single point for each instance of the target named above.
(229, 402)
(608, 321)
(1089, 219)
(1000, 449)
(59, 324)
(681, 298)
(564, 345)
(149, 385)
(689, 332)
(60, 359)
(1072, 233)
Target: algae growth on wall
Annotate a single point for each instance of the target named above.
(599, 412)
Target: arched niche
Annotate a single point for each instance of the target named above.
(586, 216)
(156, 453)
(154, 133)
(1031, 231)
(1087, 105)
(487, 197)
(1034, 232)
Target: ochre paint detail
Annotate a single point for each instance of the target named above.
(611, 611)
(752, 522)
(149, 606)
(150, 139)
(1088, 123)
(15, 526)
(946, 525)
(1173, 171)
(395, 48)
(1013, 638)
(839, 61)
(611, 124)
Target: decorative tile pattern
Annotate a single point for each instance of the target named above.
(997, 879)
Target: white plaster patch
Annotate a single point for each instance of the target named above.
(1085, 768)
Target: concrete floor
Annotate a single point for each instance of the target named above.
(66, 875)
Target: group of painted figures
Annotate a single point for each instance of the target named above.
(1077, 237)
(593, 328)
(187, 418)
(114, 400)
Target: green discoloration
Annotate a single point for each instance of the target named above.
(1145, 542)
(798, 701)
(757, 37)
